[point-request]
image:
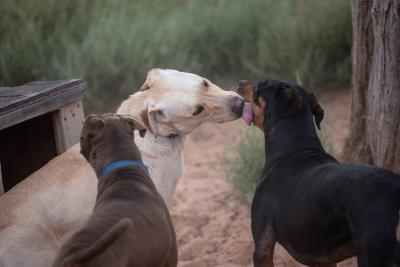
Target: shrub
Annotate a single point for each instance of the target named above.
(112, 44)
(242, 163)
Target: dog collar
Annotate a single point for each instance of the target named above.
(170, 136)
(122, 163)
(173, 136)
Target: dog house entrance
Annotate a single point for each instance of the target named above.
(38, 121)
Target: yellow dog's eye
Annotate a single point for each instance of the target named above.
(199, 109)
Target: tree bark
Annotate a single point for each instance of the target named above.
(375, 120)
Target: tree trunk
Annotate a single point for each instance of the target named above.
(375, 120)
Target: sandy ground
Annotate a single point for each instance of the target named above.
(212, 223)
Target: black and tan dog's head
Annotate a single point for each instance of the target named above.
(107, 127)
(276, 100)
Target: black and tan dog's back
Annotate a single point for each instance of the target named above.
(321, 211)
(130, 225)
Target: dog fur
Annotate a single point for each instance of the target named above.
(130, 225)
(321, 211)
(41, 212)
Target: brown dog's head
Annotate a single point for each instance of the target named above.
(275, 100)
(107, 128)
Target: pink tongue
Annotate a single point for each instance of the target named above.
(247, 113)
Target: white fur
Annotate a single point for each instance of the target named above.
(47, 207)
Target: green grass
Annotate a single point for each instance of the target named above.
(242, 163)
(112, 44)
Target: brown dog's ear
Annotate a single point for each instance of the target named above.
(133, 124)
(92, 127)
(316, 110)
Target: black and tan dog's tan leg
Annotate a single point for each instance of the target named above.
(264, 248)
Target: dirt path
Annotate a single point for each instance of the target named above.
(211, 221)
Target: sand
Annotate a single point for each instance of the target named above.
(212, 222)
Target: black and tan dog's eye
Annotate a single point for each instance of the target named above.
(198, 110)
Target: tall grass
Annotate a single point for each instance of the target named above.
(112, 44)
(242, 163)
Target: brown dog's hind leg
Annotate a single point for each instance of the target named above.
(101, 244)
(264, 248)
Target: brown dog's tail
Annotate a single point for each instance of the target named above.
(101, 244)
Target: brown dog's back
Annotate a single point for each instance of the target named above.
(144, 237)
(130, 225)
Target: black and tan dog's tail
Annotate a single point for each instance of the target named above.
(100, 245)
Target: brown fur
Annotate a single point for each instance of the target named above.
(246, 90)
(130, 225)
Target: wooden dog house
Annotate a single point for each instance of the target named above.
(38, 121)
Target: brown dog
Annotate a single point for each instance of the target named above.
(130, 225)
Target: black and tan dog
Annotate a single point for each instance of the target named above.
(130, 225)
(321, 211)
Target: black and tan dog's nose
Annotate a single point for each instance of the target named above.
(241, 86)
(243, 83)
(245, 89)
(237, 105)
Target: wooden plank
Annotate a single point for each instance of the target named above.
(16, 97)
(72, 91)
(67, 122)
(1, 183)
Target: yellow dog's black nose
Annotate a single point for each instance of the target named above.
(237, 105)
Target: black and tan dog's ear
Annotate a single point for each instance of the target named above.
(295, 99)
(288, 103)
(133, 124)
(316, 110)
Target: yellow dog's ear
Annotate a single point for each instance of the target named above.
(149, 116)
(151, 77)
(145, 86)
(133, 124)
(144, 115)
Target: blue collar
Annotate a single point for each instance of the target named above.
(122, 163)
